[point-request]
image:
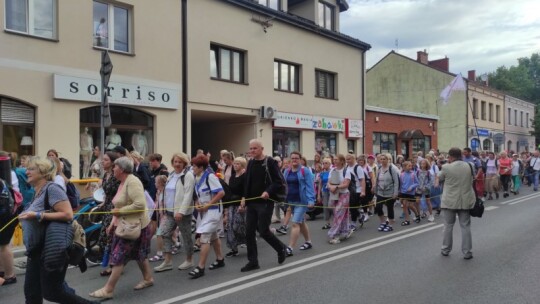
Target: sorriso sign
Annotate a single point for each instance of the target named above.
(86, 89)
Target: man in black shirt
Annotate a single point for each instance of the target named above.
(263, 180)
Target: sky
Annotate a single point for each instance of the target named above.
(479, 35)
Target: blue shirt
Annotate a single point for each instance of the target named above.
(324, 180)
(293, 188)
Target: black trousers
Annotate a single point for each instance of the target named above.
(40, 284)
(258, 217)
(354, 206)
(505, 180)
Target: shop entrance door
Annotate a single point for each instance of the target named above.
(405, 149)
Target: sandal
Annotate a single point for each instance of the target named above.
(382, 226)
(405, 223)
(388, 229)
(101, 294)
(326, 226)
(196, 273)
(8, 281)
(417, 219)
(143, 284)
(217, 264)
(156, 258)
(306, 246)
(175, 250)
(106, 273)
(196, 248)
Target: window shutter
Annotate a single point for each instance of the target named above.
(16, 112)
(322, 84)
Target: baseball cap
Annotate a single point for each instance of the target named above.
(371, 156)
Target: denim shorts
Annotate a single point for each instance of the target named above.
(298, 213)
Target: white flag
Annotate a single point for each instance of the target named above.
(457, 84)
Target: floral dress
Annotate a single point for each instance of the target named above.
(110, 187)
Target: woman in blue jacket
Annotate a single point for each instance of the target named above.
(300, 196)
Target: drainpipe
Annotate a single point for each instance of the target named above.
(184, 77)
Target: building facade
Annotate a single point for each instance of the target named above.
(400, 133)
(279, 71)
(403, 85)
(518, 127)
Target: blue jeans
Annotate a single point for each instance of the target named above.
(536, 179)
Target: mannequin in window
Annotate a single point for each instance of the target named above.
(140, 143)
(113, 139)
(86, 143)
(101, 33)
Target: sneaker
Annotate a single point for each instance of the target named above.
(232, 253)
(349, 234)
(282, 230)
(326, 226)
(335, 241)
(366, 217)
(186, 265)
(289, 251)
(352, 227)
(431, 218)
(163, 267)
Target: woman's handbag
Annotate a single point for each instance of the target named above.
(127, 230)
(478, 208)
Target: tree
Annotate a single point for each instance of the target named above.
(521, 81)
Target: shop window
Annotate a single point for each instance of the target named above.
(325, 143)
(18, 124)
(131, 129)
(285, 142)
(32, 17)
(351, 146)
(475, 144)
(384, 143)
(487, 145)
(112, 26)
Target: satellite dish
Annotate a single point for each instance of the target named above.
(484, 77)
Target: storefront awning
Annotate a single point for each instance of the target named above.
(411, 134)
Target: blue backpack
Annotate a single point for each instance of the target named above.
(25, 188)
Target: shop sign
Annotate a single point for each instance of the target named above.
(483, 132)
(86, 89)
(354, 128)
(328, 124)
(294, 121)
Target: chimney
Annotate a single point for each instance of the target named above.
(472, 75)
(422, 57)
(441, 64)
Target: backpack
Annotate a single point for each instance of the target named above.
(369, 184)
(73, 195)
(281, 194)
(391, 175)
(228, 193)
(353, 197)
(7, 202)
(67, 167)
(25, 188)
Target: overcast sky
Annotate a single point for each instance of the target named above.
(476, 35)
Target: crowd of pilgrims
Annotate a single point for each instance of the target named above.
(196, 202)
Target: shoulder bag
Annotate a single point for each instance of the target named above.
(127, 230)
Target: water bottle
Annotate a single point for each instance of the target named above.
(106, 254)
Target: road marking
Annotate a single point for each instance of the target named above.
(520, 198)
(521, 201)
(264, 273)
(491, 208)
(308, 266)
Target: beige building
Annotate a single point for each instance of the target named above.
(275, 70)
(50, 83)
(485, 116)
(518, 127)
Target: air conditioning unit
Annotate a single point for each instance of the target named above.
(268, 112)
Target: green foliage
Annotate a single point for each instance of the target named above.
(521, 81)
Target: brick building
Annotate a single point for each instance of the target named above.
(399, 132)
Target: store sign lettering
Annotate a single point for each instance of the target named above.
(85, 89)
(329, 124)
(354, 128)
(308, 122)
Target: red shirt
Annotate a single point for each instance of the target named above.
(505, 165)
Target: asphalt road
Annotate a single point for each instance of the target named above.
(371, 267)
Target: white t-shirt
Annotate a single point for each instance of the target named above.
(434, 170)
(341, 178)
(170, 190)
(535, 163)
(203, 192)
(358, 175)
(515, 167)
(60, 181)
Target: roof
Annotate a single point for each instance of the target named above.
(405, 57)
(303, 23)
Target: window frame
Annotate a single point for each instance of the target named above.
(483, 110)
(521, 118)
(268, 2)
(509, 116)
(30, 11)
(515, 117)
(490, 111)
(111, 28)
(217, 48)
(332, 9)
(527, 120)
(498, 113)
(475, 108)
(297, 73)
(334, 83)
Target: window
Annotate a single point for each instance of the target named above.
(273, 4)
(521, 118)
(326, 143)
(32, 17)
(509, 116)
(17, 124)
(112, 27)
(527, 120)
(515, 117)
(475, 144)
(384, 143)
(284, 142)
(475, 108)
(326, 16)
(483, 113)
(226, 64)
(325, 84)
(498, 113)
(487, 145)
(286, 76)
(509, 145)
(490, 111)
